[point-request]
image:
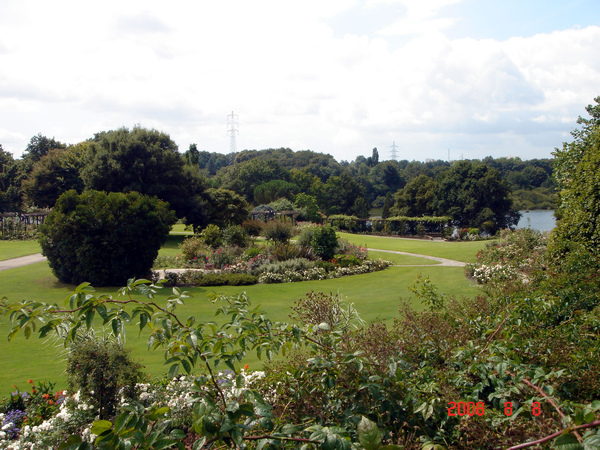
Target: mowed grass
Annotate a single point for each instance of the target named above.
(14, 249)
(459, 251)
(376, 296)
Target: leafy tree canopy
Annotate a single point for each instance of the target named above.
(578, 175)
(10, 180)
(473, 194)
(145, 161)
(55, 173)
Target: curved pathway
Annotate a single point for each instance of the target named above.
(442, 261)
(21, 261)
(36, 258)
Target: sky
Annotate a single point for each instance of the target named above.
(439, 78)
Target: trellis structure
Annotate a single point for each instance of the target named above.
(14, 225)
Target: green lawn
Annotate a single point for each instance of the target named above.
(14, 249)
(459, 251)
(376, 296)
(401, 260)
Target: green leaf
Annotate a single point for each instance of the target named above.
(121, 421)
(368, 434)
(89, 318)
(100, 426)
(567, 442)
(592, 442)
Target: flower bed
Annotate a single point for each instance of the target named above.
(21, 427)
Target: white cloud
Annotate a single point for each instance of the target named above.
(72, 69)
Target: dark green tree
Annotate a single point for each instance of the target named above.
(341, 194)
(361, 208)
(145, 161)
(10, 183)
(54, 173)
(416, 199)
(243, 178)
(387, 206)
(225, 207)
(577, 172)
(39, 146)
(272, 190)
(104, 239)
(474, 195)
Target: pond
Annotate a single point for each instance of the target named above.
(542, 220)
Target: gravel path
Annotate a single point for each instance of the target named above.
(22, 261)
(32, 259)
(442, 261)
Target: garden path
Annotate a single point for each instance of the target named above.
(21, 261)
(32, 259)
(442, 261)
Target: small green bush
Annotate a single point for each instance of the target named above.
(278, 231)
(324, 242)
(283, 251)
(253, 227)
(237, 236)
(191, 247)
(212, 236)
(252, 252)
(346, 260)
(102, 370)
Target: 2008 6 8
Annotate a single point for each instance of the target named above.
(472, 408)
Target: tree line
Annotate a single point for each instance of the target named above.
(205, 187)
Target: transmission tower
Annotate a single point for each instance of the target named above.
(394, 153)
(232, 130)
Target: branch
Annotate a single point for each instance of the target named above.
(489, 341)
(215, 382)
(549, 400)
(281, 438)
(555, 435)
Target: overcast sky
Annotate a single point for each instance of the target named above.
(473, 77)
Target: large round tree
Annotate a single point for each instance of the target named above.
(104, 238)
(474, 195)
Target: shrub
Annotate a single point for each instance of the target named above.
(278, 231)
(283, 251)
(212, 236)
(191, 247)
(252, 252)
(282, 204)
(346, 260)
(324, 242)
(223, 257)
(198, 278)
(253, 227)
(346, 248)
(297, 264)
(102, 370)
(237, 236)
(306, 234)
(103, 238)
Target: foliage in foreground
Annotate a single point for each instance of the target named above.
(524, 383)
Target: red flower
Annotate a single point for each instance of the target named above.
(30, 381)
